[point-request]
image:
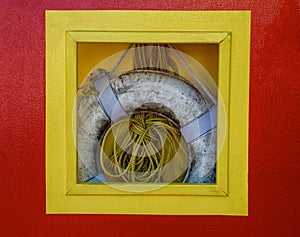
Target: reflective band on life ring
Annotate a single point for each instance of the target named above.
(108, 99)
(201, 125)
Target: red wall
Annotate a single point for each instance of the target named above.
(274, 185)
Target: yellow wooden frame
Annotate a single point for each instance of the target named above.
(229, 29)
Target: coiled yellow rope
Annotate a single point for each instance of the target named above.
(139, 154)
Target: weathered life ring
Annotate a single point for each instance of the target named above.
(104, 99)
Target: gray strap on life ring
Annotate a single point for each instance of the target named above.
(108, 99)
(201, 125)
(112, 107)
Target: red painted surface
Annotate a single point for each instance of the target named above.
(274, 186)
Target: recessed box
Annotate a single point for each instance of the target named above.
(78, 40)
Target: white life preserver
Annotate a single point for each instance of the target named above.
(103, 99)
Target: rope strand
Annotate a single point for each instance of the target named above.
(151, 142)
